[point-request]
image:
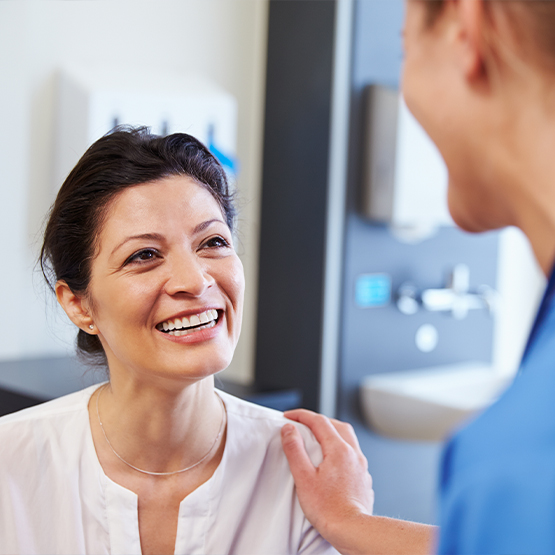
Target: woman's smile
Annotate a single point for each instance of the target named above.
(198, 326)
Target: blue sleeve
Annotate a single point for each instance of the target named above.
(499, 506)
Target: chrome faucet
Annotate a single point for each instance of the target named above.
(455, 297)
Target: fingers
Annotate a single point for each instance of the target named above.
(327, 431)
(293, 446)
(346, 431)
(320, 426)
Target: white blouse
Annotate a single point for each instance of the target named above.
(56, 499)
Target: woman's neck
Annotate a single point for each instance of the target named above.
(159, 429)
(532, 174)
(523, 154)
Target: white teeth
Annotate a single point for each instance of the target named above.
(181, 324)
(179, 333)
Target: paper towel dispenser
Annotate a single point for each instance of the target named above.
(404, 178)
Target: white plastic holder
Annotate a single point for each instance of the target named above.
(93, 100)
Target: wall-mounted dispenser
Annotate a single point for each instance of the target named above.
(404, 176)
(92, 101)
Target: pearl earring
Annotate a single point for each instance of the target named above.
(91, 326)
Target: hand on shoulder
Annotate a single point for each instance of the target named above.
(337, 495)
(338, 492)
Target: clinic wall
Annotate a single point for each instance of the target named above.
(222, 40)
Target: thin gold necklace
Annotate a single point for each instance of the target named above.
(222, 426)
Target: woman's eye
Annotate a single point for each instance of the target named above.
(144, 255)
(216, 242)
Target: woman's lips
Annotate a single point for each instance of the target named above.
(195, 333)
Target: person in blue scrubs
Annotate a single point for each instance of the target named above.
(480, 77)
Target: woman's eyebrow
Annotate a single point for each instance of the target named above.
(148, 236)
(202, 226)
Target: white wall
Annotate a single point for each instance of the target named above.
(222, 40)
(521, 284)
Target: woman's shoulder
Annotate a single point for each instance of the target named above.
(263, 426)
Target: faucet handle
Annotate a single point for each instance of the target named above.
(459, 280)
(455, 298)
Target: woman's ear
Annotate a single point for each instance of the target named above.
(472, 19)
(76, 307)
(471, 16)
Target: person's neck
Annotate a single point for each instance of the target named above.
(525, 155)
(160, 428)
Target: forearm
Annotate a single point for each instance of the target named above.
(377, 535)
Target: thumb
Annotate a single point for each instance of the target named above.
(293, 446)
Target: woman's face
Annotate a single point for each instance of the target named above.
(166, 289)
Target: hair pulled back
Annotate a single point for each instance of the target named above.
(532, 21)
(123, 158)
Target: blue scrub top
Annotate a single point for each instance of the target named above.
(498, 473)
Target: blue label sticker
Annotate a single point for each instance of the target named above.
(373, 290)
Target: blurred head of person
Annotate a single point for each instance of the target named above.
(478, 75)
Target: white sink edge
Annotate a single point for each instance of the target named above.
(400, 405)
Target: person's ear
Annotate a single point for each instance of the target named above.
(473, 46)
(76, 307)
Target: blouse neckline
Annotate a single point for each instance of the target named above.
(121, 503)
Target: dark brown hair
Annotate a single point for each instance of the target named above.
(123, 158)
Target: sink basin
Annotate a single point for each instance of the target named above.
(427, 404)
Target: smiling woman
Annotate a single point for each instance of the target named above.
(139, 251)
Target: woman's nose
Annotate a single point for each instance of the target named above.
(188, 276)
